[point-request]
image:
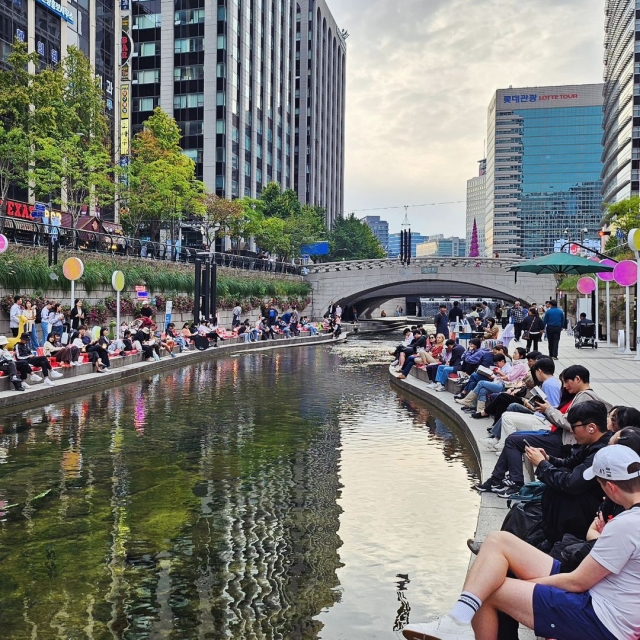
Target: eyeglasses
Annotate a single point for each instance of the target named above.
(432, 337)
(576, 425)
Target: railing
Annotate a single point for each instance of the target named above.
(394, 263)
(31, 233)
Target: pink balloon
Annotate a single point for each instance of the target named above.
(4, 243)
(606, 276)
(626, 273)
(586, 285)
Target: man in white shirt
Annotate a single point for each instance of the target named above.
(14, 315)
(600, 600)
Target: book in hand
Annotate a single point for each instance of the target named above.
(485, 371)
(538, 395)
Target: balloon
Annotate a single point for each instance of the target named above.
(73, 268)
(117, 280)
(626, 273)
(586, 285)
(4, 243)
(606, 276)
(634, 239)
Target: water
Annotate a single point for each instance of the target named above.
(271, 495)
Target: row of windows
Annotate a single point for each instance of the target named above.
(188, 45)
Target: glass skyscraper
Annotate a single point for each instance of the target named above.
(544, 168)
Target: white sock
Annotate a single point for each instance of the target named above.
(466, 607)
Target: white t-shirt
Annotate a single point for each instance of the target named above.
(616, 599)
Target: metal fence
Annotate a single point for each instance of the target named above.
(31, 233)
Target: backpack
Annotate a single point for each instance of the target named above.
(38, 319)
(530, 492)
(524, 521)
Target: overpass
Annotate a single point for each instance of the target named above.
(370, 283)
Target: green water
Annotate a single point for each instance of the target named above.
(287, 494)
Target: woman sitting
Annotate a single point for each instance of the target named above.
(67, 355)
(492, 330)
(150, 346)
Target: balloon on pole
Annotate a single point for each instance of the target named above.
(72, 269)
(117, 282)
(634, 242)
(4, 243)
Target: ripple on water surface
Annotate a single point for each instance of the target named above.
(273, 495)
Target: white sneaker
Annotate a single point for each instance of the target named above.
(499, 446)
(394, 363)
(445, 628)
(440, 387)
(55, 375)
(25, 385)
(34, 378)
(431, 385)
(48, 383)
(489, 443)
(75, 364)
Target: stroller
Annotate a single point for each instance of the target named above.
(585, 335)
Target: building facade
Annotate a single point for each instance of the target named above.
(476, 206)
(544, 167)
(621, 122)
(393, 250)
(453, 247)
(380, 229)
(256, 87)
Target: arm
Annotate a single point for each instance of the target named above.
(568, 480)
(582, 579)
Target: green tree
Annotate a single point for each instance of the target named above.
(352, 239)
(219, 217)
(625, 215)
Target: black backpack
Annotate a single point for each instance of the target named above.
(38, 319)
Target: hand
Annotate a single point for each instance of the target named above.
(535, 456)
(543, 407)
(599, 522)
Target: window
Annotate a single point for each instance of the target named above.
(221, 98)
(194, 72)
(149, 76)
(188, 101)
(192, 128)
(145, 104)
(188, 45)
(222, 41)
(147, 21)
(194, 154)
(147, 49)
(221, 126)
(190, 16)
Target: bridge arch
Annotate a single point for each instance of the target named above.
(370, 282)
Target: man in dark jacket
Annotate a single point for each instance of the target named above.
(569, 501)
(443, 371)
(442, 321)
(456, 315)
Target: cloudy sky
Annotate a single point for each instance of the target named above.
(420, 76)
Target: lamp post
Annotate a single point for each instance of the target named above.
(634, 243)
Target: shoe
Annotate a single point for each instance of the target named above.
(401, 377)
(156, 357)
(440, 387)
(499, 446)
(502, 486)
(75, 364)
(55, 375)
(445, 628)
(173, 355)
(478, 415)
(488, 485)
(468, 409)
(17, 385)
(395, 362)
(34, 378)
(25, 385)
(458, 396)
(508, 491)
(432, 385)
(489, 443)
(474, 546)
(48, 382)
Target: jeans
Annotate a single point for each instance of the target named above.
(312, 330)
(255, 334)
(246, 336)
(34, 337)
(45, 332)
(443, 374)
(59, 329)
(553, 336)
(408, 365)
(474, 379)
(483, 389)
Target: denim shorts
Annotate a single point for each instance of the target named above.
(570, 616)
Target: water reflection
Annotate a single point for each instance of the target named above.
(249, 497)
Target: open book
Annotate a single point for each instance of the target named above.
(538, 395)
(485, 371)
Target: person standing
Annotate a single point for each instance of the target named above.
(14, 315)
(517, 315)
(45, 323)
(442, 321)
(237, 310)
(56, 319)
(553, 325)
(30, 327)
(456, 316)
(77, 314)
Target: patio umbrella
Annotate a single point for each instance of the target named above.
(559, 263)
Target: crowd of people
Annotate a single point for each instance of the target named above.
(568, 566)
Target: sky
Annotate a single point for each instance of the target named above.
(420, 75)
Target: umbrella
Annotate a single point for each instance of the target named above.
(559, 263)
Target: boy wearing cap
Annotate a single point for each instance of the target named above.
(600, 600)
(8, 365)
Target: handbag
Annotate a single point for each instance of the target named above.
(525, 335)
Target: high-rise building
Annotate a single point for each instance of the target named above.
(544, 168)
(258, 89)
(621, 122)
(476, 206)
(453, 247)
(380, 229)
(393, 250)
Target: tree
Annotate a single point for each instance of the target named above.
(352, 239)
(625, 215)
(474, 249)
(219, 216)
(16, 115)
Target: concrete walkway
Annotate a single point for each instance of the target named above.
(614, 377)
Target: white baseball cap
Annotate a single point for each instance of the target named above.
(3, 340)
(612, 463)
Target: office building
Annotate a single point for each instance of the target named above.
(453, 247)
(258, 89)
(380, 229)
(621, 121)
(393, 250)
(544, 166)
(476, 206)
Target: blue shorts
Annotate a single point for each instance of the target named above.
(570, 616)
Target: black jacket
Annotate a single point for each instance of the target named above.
(456, 357)
(455, 314)
(442, 324)
(532, 324)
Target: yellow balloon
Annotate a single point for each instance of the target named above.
(634, 239)
(117, 280)
(73, 268)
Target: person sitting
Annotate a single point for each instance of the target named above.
(267, 330)
(150, 346)
(477, 357)
(621, 417)
(453, 356)
(8, 365)
(53, 349)
(176, 337)
(244, 330)
(491, 330)
(337, 329)
(308, 326)
(597, 601)
(284, 328)
(23, 354)
(90, 347)
(256, 333)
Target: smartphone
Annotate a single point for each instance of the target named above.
(525, 441)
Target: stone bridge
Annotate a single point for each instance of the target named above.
(370, 283)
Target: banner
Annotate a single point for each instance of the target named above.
(124, 137)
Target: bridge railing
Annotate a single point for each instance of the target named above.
(394, 263)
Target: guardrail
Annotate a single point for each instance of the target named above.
(394, 263)
(35, 234)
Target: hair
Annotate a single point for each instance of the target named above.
(499, 357)
(534, 355)
(583, 315)
(103, 329)
(404, 333)
(491, 322)
(544, 365)
(238, 304)
(576, 371)
(28, 303)
(533, 311)
(630, 437)
(553, 303)
(442, 306)
(522, 352)
(82, 326)
(57, 305)
(591, 411)
(51, 335)
(627, 417)
(456, 303)
(476, 342)
(16, 298)
(450, 342)
(76, 301)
